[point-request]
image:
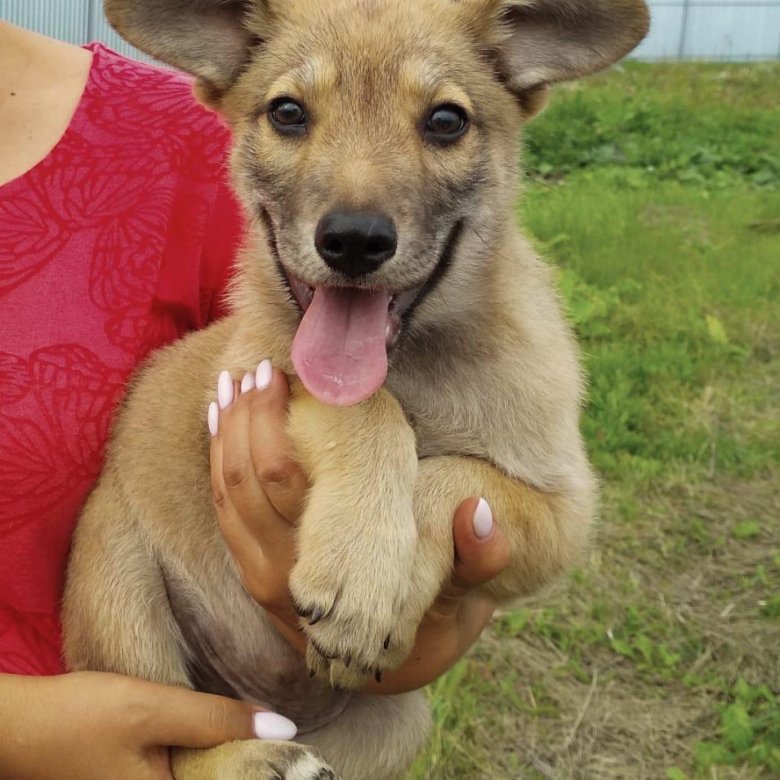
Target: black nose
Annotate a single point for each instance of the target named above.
(355, 243)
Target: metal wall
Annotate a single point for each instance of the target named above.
(682, 29)
(77, 21)
(726, 30)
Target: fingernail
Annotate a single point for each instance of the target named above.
(213, 418)
(264, 375)
(225, 390)
(483, 520)
(270, 725)
(248, 382)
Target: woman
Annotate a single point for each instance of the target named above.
(117, 232)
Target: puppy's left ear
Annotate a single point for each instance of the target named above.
(539, 42)
(555, 40)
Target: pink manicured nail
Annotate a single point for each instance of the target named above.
(269, 725)
(213, 417)
(264, 375)
(248, 382)
(483, 520)
(225, 390)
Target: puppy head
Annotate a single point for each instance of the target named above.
(376, 141)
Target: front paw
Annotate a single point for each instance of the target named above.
(350, 597)
(251, 760)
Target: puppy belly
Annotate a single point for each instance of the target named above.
(237, 652)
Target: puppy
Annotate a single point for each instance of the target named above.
(376, 153)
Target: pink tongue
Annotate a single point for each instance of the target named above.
(339, 351)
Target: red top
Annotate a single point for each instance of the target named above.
(118, 242)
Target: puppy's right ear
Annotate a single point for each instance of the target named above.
(210, 39)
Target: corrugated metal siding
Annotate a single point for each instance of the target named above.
(686, 29)
(76, 21)
(713, 30)
(733, 33)
(61, 19)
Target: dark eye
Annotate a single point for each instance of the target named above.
(287, 116)
(446, 123)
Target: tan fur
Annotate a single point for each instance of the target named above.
(483, 392)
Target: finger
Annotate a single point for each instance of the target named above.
(251, 544)
(238, 537)
(481, 549)
(245, 548)
(243, 489)
(260, 541)
(281, 479)
(184, 718)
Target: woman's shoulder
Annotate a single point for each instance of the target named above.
(145, 106)
(124, 78)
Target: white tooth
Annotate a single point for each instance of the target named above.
(388, 330)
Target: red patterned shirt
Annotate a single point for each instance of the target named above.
(119, 241)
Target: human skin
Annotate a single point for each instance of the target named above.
(90, 726)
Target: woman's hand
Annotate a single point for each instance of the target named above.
(93, 726)
(258, 488)
(258, 494)
(460, 614)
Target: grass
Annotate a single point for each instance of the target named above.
(654, 191)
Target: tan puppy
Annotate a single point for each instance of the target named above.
(376, 148)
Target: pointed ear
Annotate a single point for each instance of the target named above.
(544, 41)
(210, 39)
(534, 43)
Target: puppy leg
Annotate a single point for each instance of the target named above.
(357, 536)
(376, 737)
(546, 531)
(105, 630)
(116, 615)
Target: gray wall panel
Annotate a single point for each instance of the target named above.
(703, 29)
(76, 21)
(663, 40)
(733, 33)
(63, 19)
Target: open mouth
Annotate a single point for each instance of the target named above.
(341, 346)
(398, 304)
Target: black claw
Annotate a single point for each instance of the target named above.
(311, 673)
(302, 611)
(316, 615)
(378, 676)
(322, 652)
(387, 642)
(347, 661)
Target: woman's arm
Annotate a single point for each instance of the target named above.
(93, 726)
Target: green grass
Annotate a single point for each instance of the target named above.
(653, 190)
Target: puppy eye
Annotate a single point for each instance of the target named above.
(287, 116)
(446, 123)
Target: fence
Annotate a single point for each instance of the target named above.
(682, 29)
